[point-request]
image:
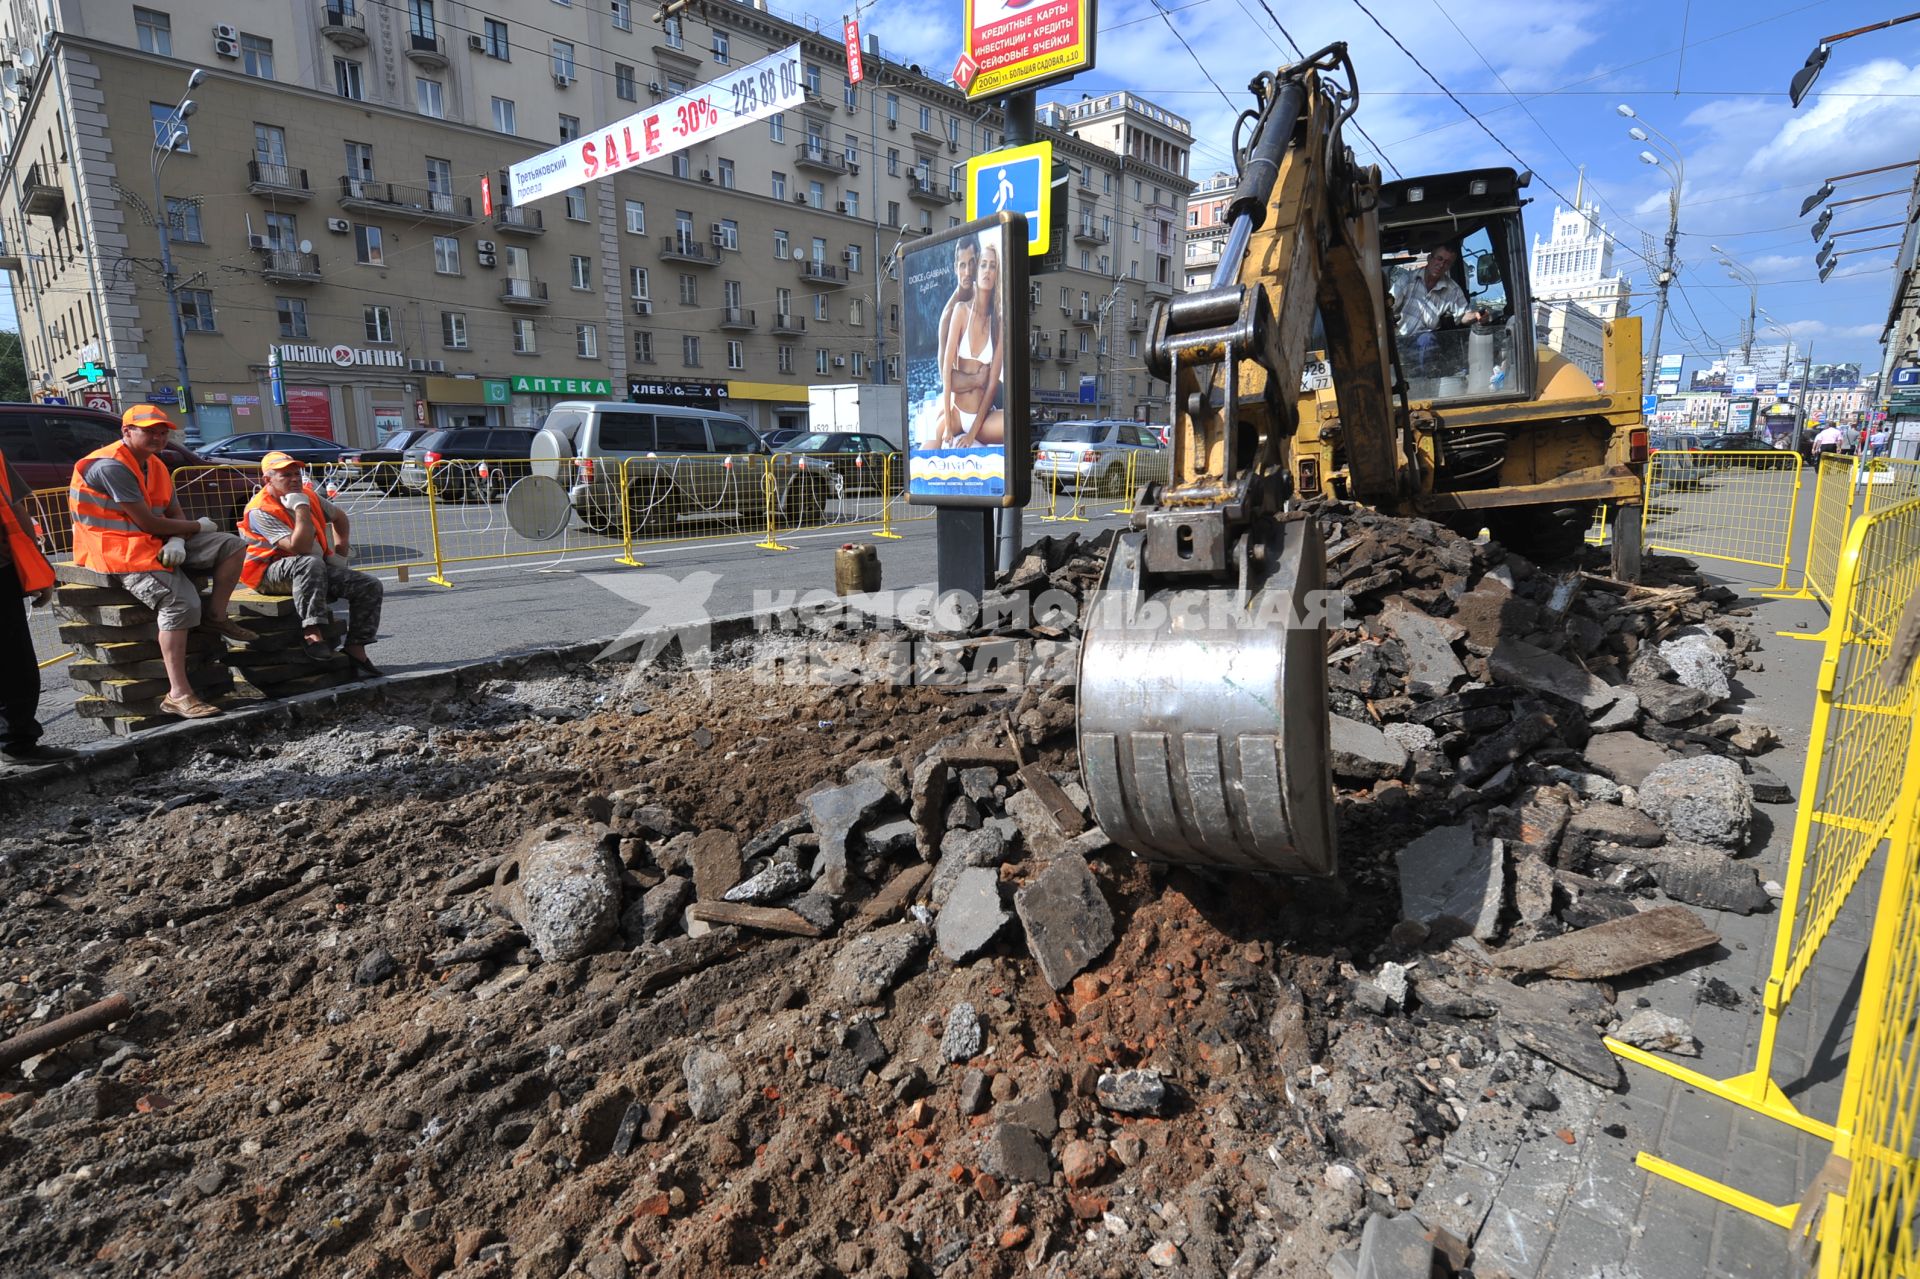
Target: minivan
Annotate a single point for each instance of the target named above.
(681, 464)
(470, 463)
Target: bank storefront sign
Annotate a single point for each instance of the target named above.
(526, 384)
(341, 356)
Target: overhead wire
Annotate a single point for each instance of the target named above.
(1298, 52)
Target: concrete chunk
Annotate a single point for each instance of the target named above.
(1394, 1248)
(834, 813)
(868, 968)
(1518, 663)
(1448, 873)
(972, 916)
(1700, 659)
(1705, 799)
(1609, 949)
(1703, 876)
(1362, 752)
(1431, 666)
(1656, 1031)
(1541, 1021)
(1067, 920)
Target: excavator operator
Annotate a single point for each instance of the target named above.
(1430, 300)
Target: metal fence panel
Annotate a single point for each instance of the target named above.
(1737, 507)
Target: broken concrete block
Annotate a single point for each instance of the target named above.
(1412, 737)
(1767, 786)
(1490, 755)
(1656, 1031)
(1532, 889)
(776, 883)
(1703, 876)
(1625, 757)
(1673, 703)
(1620, 946)
(1540, 1020)
(834, 813)
(963, 1037)
(1599, 824)
(1132, 1092)
(1039, 830)
(713, 1085)
(1700, 659)
(1015, 1153)
(1449, 874)
(560, 886)
(1622, 714)
(1394, 1248)
(1705, 799)
(1362, 752)
(1518, 663)
(972, 916)
(1432, 668)
(660, 908)
(1067, 920)
(869, 967)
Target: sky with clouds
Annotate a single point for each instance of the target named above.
(1545, 80)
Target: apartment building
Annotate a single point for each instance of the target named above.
(1207, 229)
(338, 197)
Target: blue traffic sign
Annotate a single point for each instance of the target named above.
(1648, 404)
(1014, 180)
(1907, 375)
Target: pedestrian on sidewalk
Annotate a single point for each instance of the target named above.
(24, 572)
(297, 544)
(127, 524)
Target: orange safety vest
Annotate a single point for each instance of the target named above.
(262, 552)
(105, 538)
(29, 564)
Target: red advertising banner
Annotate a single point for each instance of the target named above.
(310, 411)
(1018, 44)
(856, 69)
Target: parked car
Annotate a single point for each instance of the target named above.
(680, 465)
(43, 441)
(310, 449)
(781, 435)
(381, 466)
(1094, 455)
(862, 461)
(469, 463)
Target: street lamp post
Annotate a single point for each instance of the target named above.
(1674, 166)
(1736, 271)
(169, 137)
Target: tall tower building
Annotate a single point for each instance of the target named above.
(1575, 264)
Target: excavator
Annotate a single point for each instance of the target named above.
(1202, 719)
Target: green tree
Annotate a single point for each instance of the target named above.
(13, 368)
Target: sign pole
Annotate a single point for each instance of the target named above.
(1018, 116)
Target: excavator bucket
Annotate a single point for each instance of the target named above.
(1203, 708)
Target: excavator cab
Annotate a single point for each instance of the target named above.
(1454, 254)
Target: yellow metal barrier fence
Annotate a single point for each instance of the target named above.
(1856, 767)
(1729, 506)
(1834, 492)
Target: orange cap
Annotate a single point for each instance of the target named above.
(145, 415)
(278, 461)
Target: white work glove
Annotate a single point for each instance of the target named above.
(208, 526)
(173, 552)
(295, 501)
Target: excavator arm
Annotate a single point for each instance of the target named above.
(1203, 723)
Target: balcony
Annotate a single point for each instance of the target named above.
(1136, 324)
(1086, 315)
(278, 181)
(427, 51)
(367, 196)
(684, 248)
(928, 191)
(1087, 233)
(513, 220)
(826, 273)
(45, 199)
(1041, 353)
(822, 159)
(1160, 286)
(523, 292)
(348, 30)
(789, 325)
(737, 320)
(288, 267)
(1066, 355)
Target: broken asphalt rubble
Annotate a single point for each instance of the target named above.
(898, 1007)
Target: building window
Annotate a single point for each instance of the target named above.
(726, 174)
(926, 119)
(563, 59)
(781, 245)
(420, 18)
(777, 126)
(623, 82)
(820, 306)
(446, 255)
(453, 330)
(728, 234)
(427, 95)
(857, 313)
(638, 282)
(857, 363)
(183, 219)
(346, 79)
(953, 129)
(256, 56)
(496, 39)
(196, 310)
(893, 213)
(569, 127)
(379, 323)
(293, 316)
(783, 303)
(281, 233)
(852, 202)
(586, 341)
(721, 48)
(523, 341)
(679, 167)
(675, 40)
(503, 116)
(853, 97)
(577, 272)
(819, 249)
(164, 127)
(154, 31)
(642, 347)
(785, 357)
(822, 361)
(622, 11)
(359, 162)
(440, 184)
(853, 257)
(893, 108)
(689, 289)
(636, 217)
(690, 351)
(366, 245)
(813, 79)
(577, 205)
(736, 355)
(816, 195)
(779, 185)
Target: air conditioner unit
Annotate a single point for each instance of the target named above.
(953, 146)
(483, 246)
(853, 168)
(339, 226)
(893, 124)
(800, 199)
(706, 175)
(477, 43)
(226, 31)
(846, 255)
(484, 259)
(416, 366)
(436, 366)
(561, 80)
(839, 361)
(653, 86)
(643, 306)
(841, 207)
(227, 48)
(259, 242)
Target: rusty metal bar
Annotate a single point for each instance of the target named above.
(62, 1030)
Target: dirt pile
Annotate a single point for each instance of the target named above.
(863, 991)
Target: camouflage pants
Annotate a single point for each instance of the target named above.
(313, 583)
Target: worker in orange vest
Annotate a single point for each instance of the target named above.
(297, 545)
(126, 523)
(24, 572)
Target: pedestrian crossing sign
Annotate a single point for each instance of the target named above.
(1015, 180)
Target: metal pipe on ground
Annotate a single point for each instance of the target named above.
(64, 1030)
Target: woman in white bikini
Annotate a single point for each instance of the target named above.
(977, 358)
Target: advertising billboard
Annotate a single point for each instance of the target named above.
(964, 331)
(1021, 44)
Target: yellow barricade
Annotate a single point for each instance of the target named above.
(1729, 506)
(1885, 481)
(836, 490)
(1834, 492)
(1857, 764)
(1597, 531)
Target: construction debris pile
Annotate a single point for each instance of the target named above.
(669, 977)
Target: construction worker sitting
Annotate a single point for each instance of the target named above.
(126, 523)
(1430, 301)
(297, 544)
